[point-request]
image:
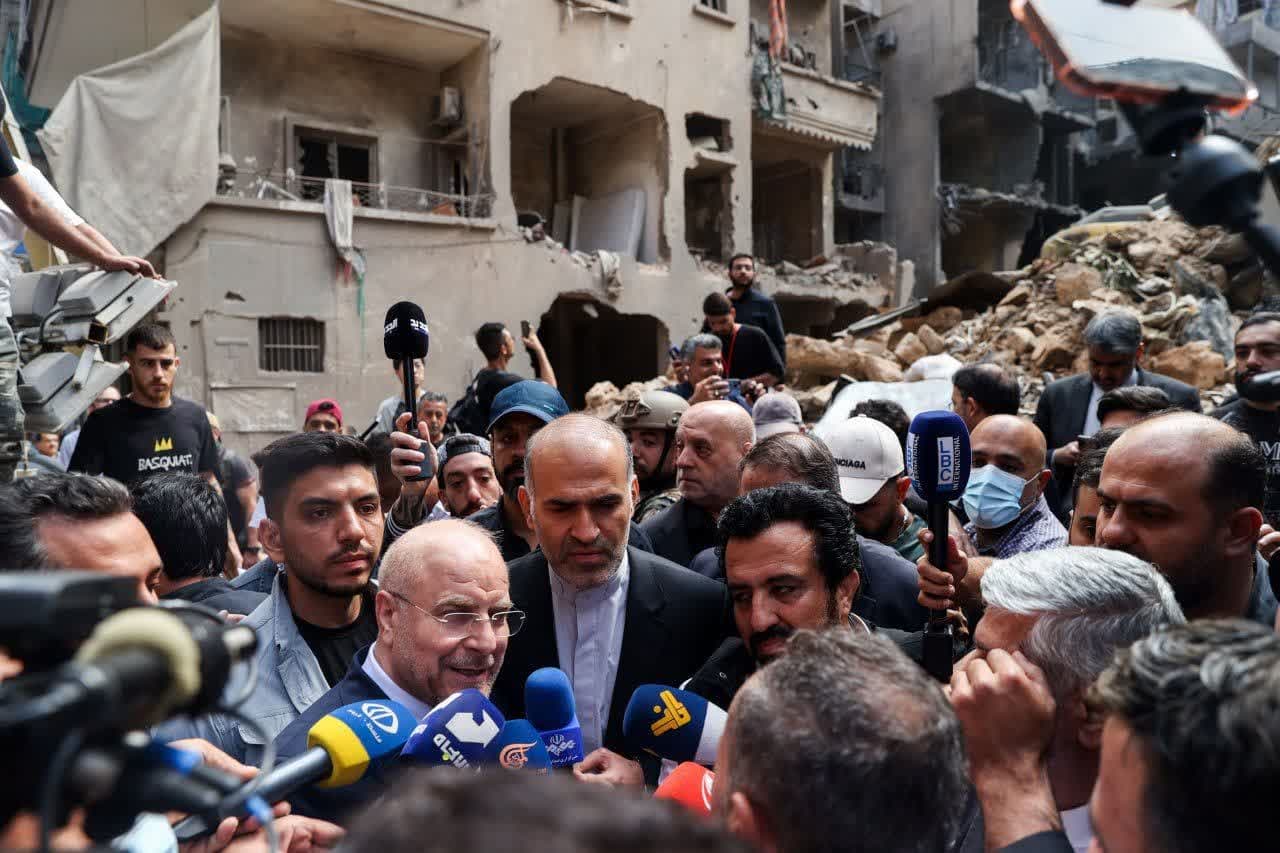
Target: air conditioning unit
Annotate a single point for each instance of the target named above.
(448, 106)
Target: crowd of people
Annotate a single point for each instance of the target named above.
(1116, 665)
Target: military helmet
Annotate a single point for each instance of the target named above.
(650, 410)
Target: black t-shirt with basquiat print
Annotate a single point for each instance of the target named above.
(129, 442)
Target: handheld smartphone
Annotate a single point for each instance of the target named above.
(674, 353)
(525, 328)
(735, 385)
(1134, 54)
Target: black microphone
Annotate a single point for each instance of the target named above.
(938, 461)
(1262, 388)
(405, 337)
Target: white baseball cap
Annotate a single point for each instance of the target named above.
(867, 456)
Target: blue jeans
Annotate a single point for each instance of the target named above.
(12, 419)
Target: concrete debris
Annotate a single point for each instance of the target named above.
(1183, 284)
(941, 366)
(604, 398)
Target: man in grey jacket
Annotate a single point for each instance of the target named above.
(323, 532)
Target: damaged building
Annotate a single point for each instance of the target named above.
(581, 164)
(978, 126)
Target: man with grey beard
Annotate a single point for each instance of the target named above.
(610, 616)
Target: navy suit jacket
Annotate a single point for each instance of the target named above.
(335, 804)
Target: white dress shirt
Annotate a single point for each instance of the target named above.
(589, 627)
(1091, 422)
(394, 691)
(1078, 827)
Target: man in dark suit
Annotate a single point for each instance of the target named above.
(610, 616)
(1069, 407)
(444, 620)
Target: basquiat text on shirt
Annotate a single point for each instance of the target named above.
(183, 462)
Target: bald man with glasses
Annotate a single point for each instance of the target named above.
(444, 619)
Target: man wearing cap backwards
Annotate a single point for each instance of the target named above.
(775, 414)
(517, 413)
(323, 415)
(649, 419)
(874, 482)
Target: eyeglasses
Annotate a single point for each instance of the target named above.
(460, 624)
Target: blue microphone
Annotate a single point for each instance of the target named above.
(458, 732)
(673, 724)
(520, 747)
(938, 460)
(548, 702)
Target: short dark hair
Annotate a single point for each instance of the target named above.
(1200, 699)
(1092, 455)
(804, 457)
(380, 448)
(990, 387)
(286, 459)
(489, 339)
(888, 413)
(838, 713)
(437, 812)
(1237, 475)
(151, 336)
(79, 497)
(1142, 399)
(716, 305)
(187, 520)
(741, 255)
(1257, 318)
(822, 513)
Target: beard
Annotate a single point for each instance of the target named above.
(317, 583)
(511, 479)
(784, 632)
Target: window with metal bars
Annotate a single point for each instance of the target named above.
(715, 5)
(290, 344)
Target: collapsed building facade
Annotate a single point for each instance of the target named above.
(620, 126)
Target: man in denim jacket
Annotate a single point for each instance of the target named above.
(323, 533)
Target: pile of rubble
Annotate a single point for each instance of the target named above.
(1189, 287)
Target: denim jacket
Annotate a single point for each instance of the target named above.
(288, 681)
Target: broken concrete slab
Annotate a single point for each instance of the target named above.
(1072, 282)
(1195, 364)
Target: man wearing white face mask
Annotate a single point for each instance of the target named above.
(1005, 496)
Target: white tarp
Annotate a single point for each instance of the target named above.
(133, 146)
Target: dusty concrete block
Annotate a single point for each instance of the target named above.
(1195, 363)
(932, 341)
(910, 349)
(1075, 281)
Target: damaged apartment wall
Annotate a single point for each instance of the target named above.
(244, 259)
(936, 54)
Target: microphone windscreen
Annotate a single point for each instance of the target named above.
(938, 458)
(548, 699)
(691, 786)
(668, 722)
(405, 333)
(359, 734)
(459, 732)
(520, 747)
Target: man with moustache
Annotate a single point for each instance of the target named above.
(610, 616)
(1258, 351)
(323, 532)
(444, 617)
(518, 413)
(649, 419)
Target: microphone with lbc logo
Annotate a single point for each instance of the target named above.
(550, 707)
(459, 732)
(938, 461)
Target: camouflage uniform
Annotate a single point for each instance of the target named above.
(652, 503)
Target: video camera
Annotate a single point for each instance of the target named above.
(97, 670)
(59, 310)
(1166, 71)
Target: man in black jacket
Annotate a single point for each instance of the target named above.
(711, 440)
(187, 520)
(1068, 408)
(611, 617)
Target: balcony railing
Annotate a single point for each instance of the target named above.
(288, 186)
(857, 72)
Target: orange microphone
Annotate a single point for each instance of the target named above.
(690, 786)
